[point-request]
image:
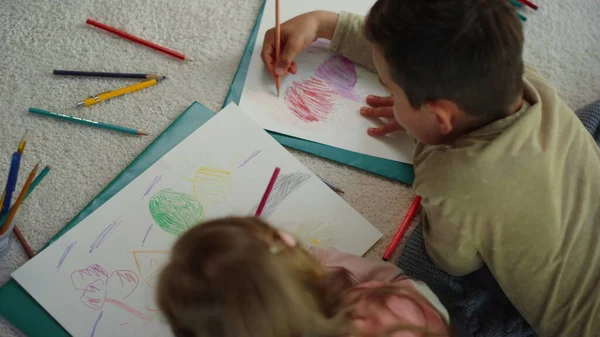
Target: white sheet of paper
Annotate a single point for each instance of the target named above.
(98, 279)
(321, 103)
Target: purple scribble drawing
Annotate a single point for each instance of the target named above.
(96, 324)
(313, 99)
(64, 255)
(340, 74)
(145, 236)
(154, 182)
(105, 233)
(249, 158)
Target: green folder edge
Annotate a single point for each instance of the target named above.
(388, 168)
(22, 310)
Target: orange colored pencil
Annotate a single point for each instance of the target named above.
(277, 44)
(13, 210)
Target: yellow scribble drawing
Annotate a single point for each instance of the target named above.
(148, 264)
(316, 235)
(211, 185)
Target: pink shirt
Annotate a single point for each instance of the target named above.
(371, 317)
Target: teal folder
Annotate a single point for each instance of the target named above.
(15, 303)
(388, 168)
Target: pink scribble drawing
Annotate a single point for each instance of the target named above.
(105, 234)
(99, 288)
(64, 255)
(311, 100)
(152, 184)
(340, 74)
(96, 324)
(124, 323)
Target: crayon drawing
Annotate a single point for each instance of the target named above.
(286, 184)
(96, 324)
(105, 234)
(316, 235)
(146, 235)
(211, 185)
(64, 255)
(148, 263)
(252, 155)
(175, 212)
(152, 184)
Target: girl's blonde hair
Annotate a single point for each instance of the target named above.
(236, 277)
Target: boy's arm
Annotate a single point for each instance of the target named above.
(349, 40)
(360, 269)
(448, 247)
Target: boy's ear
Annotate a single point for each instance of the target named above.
(444, 112)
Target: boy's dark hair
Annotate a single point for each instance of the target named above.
(465, 51)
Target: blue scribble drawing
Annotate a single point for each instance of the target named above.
(145, 236)
(154, 182)
(249, 158)
(96, 324)
(64, 255)
(105, 234)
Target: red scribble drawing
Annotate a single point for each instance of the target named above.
(311, 100)
(148, 264)
(340, 74)
(99, 288)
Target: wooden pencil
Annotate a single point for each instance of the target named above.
(23, 242)
(15, 208)
(403, 228)
(265, 196)
(106, 74)
(277, 44)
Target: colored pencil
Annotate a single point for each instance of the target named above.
(522, 17)
(11, 182)
(15, 208)
(23, 242)
(107, 74)
(22, 143)
(16, 229)
(529, 3)
(277, 44)
(136, 39)
(265, 196)
(87, 122)
(118, 92)
(331, 185)
(34, 184)
(516, 3)
(403, 228)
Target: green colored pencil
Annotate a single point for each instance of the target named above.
(34, 184)
(87, 122)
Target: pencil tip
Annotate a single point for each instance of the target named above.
(189, 59)
(140, 133)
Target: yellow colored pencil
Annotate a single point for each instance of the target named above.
(119, 92)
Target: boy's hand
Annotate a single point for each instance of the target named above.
(296, 35)
(381, 107)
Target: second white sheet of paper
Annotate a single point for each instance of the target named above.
(321, 103)
(98, 279)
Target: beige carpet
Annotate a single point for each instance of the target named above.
(38, 36)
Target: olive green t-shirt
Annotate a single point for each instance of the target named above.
(521, 195)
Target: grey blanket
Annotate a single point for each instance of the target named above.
(477, 305)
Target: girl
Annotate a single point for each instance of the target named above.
(240, 277)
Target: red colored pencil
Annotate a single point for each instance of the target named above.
(529, 3)
(403, 228)
(265, 197)
(23, 242)
(135, 39)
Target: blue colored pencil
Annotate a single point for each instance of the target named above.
(34, 184)
(11, 182)
(87, 122)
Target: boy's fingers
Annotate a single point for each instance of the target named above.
(294, 68)
(378, 101)
(384, 130)
(387, 112)
(268, 52)
(290, 49)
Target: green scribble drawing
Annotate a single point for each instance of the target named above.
(211, 185)
(316, 235)
(175, 212)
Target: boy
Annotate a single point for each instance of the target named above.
(508, 175)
